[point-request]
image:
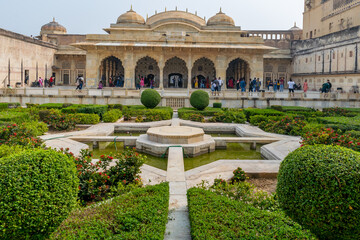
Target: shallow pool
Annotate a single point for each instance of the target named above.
(234, 151)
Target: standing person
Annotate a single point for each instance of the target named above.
(100, 86)
(275, 85)
(243, 85)
(217, 84)
(237, 85)
(41, 82)
(152, 83)
(196, 82)
(254, 85)
(213, 85)
(137, 83)
(207, 82)
(282, 84)
(26, 79)
(231, 83)
(291, 84)
(268, 84)
(305, 87)
(329, 85)
(221, 83)
(258, 85)
(251, 88)
(142, 82)
(51, 81)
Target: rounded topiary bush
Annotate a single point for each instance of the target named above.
(38, 189)
(319, 187)
(150, 98)
(199, 99)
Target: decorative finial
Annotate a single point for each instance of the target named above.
(165, 9)
(205, 18)
(176, 8)
(147, 17)
(131, 8)
(294, 24)
(155, 12)
(53, 19)
(187, 9)
(220, 10)
(196, 13)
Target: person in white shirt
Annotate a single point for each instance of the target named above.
(291, 84)
(220, 84)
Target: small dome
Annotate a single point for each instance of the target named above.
(221, 19)
(53, 27)
(295, 28)
(130, 17)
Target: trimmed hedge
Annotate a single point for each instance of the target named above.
(150, 98)
(266, 112)
(52, 105)
(217, 105)
(14, 117)
(199, 99)
(140, 214)
(207, 112)
(93, 109)
(218, 217)
(319, 187)
(83, 118)
(38, 189)
(112, 115)
(156, 114)
(292, 108)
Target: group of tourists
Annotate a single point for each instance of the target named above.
(216, 85)
(141, 82)
(80, 83)
(277, 84)
(41, 82)
(201, 82)
(113, 81)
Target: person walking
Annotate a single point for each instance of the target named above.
(142, 82)
(275, 85)
(221, 83)
(254, 85)
(243, 85)
(291, 84)
(41, 82)
(137, 83)
(305, 87)
(237, 85)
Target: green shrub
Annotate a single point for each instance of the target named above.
(214, 216)
(217, 105)
(14, 117)
(36, 128)
(207, 112)
(150, 98)
(115, 106)
(266, 112)
(38, 189)
(4, 106)
(354, 134)
(93, 109)
(141, 214)
(83, 118)
(52, 105)
(239, 175)
(30, 105)
(229, 116)
(13, 134)
(71, 109)
(156, 114)
(7, 150)
(199, 99)
(319, 187)
(196, 117)
(286, 125)
(292, 108)
(112, 115)
(59, 121)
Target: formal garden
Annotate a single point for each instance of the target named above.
(55, 194)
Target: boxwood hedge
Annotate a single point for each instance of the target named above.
(150, 98)
(217, 217)
(140, 214)
(38, 189)
(199, 99)
(319, 187)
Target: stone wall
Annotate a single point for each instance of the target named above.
(20, 54)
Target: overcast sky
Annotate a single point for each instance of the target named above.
(91, 16)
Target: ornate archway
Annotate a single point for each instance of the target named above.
(204, 71)
(148, 68)
(175, 73)
(237, 69)
(112, 72)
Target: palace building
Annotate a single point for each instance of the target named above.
(172, 49)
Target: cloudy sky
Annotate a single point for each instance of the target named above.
(91, 16)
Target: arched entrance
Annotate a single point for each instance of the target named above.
(175, 73)
(148, 68)
(112, 72)
(204, 72)
(237, 69)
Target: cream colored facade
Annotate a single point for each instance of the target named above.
(22, 56)
(173, 43)
(323, 17)
(329, 50)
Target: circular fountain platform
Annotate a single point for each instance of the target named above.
(176, 135)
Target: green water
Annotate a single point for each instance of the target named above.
(234, 151)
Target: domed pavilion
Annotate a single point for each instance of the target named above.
(173, 49)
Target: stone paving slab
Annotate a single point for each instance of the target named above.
(74, 147)
(224, 169)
